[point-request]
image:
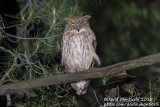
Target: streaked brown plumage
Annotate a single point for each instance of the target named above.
(78, 49)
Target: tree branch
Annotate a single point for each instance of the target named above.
(24, 86)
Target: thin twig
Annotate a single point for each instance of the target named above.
(24, 38)
(47, 44)
(97, 98)
(9, 70)
(8, 51)
(13, 65)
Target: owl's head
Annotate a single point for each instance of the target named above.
(77, 22)
(80, 86)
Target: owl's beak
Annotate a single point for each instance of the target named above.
(78, 28)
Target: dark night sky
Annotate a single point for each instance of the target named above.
(7, 7)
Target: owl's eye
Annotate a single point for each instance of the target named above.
(73, 24)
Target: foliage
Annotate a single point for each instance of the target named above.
(125, 30)
(39, 27)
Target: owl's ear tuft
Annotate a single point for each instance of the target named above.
(87, 17)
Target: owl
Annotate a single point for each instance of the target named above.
(78, 48)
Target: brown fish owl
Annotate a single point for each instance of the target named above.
(78, 49)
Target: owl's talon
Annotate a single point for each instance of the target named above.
(81, 71)
(76, 72)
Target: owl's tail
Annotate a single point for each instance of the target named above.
(80, 86)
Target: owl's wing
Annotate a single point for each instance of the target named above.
(93, 38)
(62, 45)
(94, 44)
(62, 50)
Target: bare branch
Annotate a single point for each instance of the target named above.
(24, 86)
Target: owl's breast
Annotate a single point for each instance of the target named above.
(77, 54)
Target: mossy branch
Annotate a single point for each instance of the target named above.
(24, 86)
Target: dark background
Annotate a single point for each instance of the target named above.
(7, 7)
(125, 30)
